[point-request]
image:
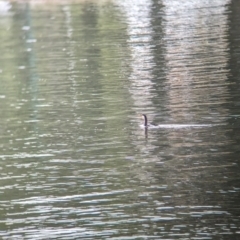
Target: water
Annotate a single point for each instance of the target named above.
(75, 162)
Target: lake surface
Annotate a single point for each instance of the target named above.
(75, 162)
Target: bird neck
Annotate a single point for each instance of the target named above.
(145, 120)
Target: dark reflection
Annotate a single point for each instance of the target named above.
(146, 132)
(233, 105)
(159, 68)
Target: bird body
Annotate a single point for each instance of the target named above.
(146, 124)
(171, 126)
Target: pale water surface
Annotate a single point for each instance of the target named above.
(74, 161)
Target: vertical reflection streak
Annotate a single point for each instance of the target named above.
(140, 36)
(196, 44)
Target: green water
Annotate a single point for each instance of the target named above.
(75, 162)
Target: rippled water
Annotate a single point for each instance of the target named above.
(75, 162)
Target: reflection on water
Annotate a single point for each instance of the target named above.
(74, 161)
(196, 44)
